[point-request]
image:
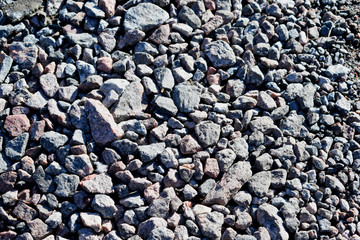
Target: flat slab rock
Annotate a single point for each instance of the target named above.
(20, 9)
(144, 16)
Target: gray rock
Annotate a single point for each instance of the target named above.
(220, 54)
(187, 15)
(254, 76)
(306, 97)
(244, 103)
(259, 183)
(133, 201)
(267, 216)
(5, 66)
(283, 32)
(54, 220)
(97, 183)
(104, 205)
(186, 97)
(149, 225)
(265, 101)
(85, 70)
(131, 102)
(4, 163)
(210, 224)
(263, 162)
(337, 71)
(144, 16)
(85, 40)
(225, 158)
(342, 104)
(51, 141)
(240, 147)
(66, 185)
(207, 133)
(168, 158)
(44, 181)
(159, 208)
(16, 11)
(125, 147)
(161, 233)
(334, 183)
(164, 78)
(292, 125)
(165, 105)
(230, 184)
(15, 148)
(79, 165)
(150, 152)
(115, 84)
(39, 229)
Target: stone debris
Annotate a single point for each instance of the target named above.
(174, 120)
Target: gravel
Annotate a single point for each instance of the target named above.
(165, 119)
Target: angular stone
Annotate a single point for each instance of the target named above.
(91, 220)
(7, 181)
(225, 158)
(240, 147)
(5, 66)
(259, 183)
(108, 6)
(115, 84)
(66, 185)
(97, 183)
(267, 216)
(165, 105)
(103, 127)
(188, 15)
(133, 101)
(44, 181)
(164, 78)
(150, 152)
(144, 16)
(16, 124)
(104, 205)
(85, 40)
(186, 97)
(230, 184)
(24, 212)
(207, 133)
(49, 84)
(147, 226)
(265, 101)
(220, 54)
(189, 145)
(39, 229)
(51, 141)
(24, 54)
(210, 224)
(337, 71)
(79, 165)
(15, 148)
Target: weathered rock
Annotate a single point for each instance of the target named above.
(79, 165)
(39, 229)
(186, 97)
(66, 185)
(15, 148)
(97, 183)
(150, 152)
(230, 183)
(16, 11)
(16, 124)
(7, 181)
(207, 133)
(104, 205)
(259, 183)
(220, 54)
(51, 141)
(5, 66)
(103, 127)
(267, 216)
(131, 102)
(144, 16)
(24, 54)
(210, 224)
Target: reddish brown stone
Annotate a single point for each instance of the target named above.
(37, 129)
(108, 6)
(211, 168)
(102, 124)
(189, 145)
(105, 64)
(16, 124)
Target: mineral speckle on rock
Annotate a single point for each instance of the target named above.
(174, 120)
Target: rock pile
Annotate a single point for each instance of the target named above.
(182, 119)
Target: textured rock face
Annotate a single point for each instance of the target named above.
(103, 127)
(179, 119)
(230, 183)
(144, 16)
